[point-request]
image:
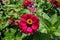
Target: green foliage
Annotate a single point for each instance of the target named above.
(48, 15)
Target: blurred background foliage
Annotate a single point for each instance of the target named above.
(49, 20)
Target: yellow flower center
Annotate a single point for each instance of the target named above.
(58, 0)
(29, 21)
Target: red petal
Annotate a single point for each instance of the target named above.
(29, 30)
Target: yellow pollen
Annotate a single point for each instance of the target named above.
(29, 21)
(58, 0)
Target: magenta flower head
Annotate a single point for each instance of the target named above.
(28, 3)
(33, 9)
(55, 3)
(29, 23)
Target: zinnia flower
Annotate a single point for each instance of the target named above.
(29, 23)
(33, 9)
(28, 3)
(55, 3)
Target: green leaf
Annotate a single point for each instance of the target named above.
(45, 37)
(40, 36)
(57, 33)
(25, 11)
(45, 22)
(42, 29)
(46, 16)
(5, 24)
(53, 19)
(57, 23)
(9, 34)
(15, 15)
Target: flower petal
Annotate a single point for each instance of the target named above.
(23, 27)
(35, 19)
(21, 23)
(34, 27)
(29, 30)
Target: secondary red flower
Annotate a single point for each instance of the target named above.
(29, 23)
(4, 1)
(55, 3)
(10, 20)
(33, 9)
(28, 3)
(16, 22)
